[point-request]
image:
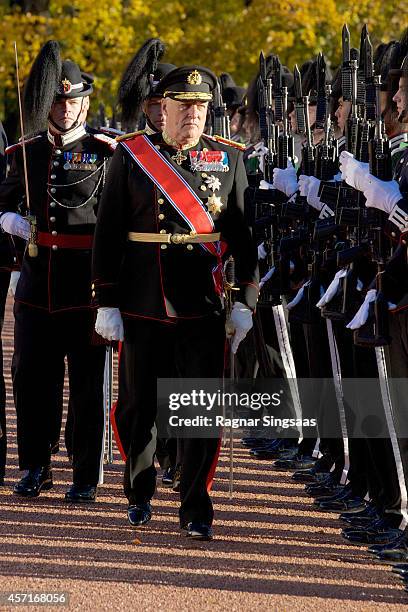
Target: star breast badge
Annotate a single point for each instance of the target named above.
(214, 204)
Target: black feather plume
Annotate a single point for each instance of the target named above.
(136, 81)
(40, 87)
(226, 80)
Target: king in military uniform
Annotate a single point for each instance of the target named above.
(172, 204)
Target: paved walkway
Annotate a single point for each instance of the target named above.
(270, 553)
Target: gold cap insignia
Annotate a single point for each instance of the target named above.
(194, 78)
(66, 85)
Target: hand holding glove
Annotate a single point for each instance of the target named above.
(109, 324)
(15, 275)
(285, 180)
(241, 319)
(382, 195)
(15, 224)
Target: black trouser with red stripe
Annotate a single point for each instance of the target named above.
(41, 342)
(151, 350)
(4, 283)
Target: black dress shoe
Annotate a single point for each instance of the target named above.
(401, 569)
(338, 493)
(34, 482)
(199, 531)
(396, 551)
(366, 515)
(297, 463)
(272, 451)
(309, 475)
(324, 488)
(342, 504)
(139, 514)
(81, 494)
(376, 532)
(168, 476)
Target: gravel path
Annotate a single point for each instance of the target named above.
(271, 551)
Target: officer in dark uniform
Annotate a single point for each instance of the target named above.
(140, 91)
(156, 264)
(66, 169)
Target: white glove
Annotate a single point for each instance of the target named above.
(285, 180)
(356, 173)
(267, 276)
(298, 296)
(241, 318)
(265, 185)
(332, 288)
(344, 160)
(381, 194)
(362, 313)
(261, 251)
(15, 275)
(109, 324)
(309, 187)
(15, 224)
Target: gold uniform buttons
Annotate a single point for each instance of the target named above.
(54, 233)
(203, 187)
(55, 164)
(53, 177)
(52, 204)
(204, 174)
(163, 246)
(163, 231)
(53, 190)
(393, 234)
(157, 147)
(54, 247)
(160, 201)
(190, 247)
(93, 286)
(93, 293)
(52, 219)
(161, 217)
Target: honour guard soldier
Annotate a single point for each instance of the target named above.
(66, 168)
(168, 200)
(140, 90)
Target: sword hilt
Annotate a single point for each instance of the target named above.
(32, 241)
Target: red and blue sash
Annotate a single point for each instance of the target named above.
(179, 193)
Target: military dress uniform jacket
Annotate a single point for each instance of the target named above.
(167, 281)
(65, 183)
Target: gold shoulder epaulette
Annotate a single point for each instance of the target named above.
(130, 135)
(227, 141)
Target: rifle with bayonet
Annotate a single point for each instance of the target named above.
(221, 126)
(376, 330)
(267, 125)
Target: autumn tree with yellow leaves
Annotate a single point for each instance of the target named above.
(102, 35)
